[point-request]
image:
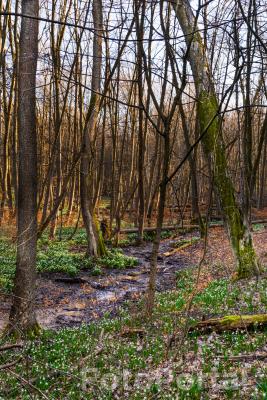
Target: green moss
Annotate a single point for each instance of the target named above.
(232, 320)
(17, 331)
(101, 247)
(215, 151)
(34, 331)
(207, 109)
(248, 264)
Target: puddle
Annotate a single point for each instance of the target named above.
(107, 296)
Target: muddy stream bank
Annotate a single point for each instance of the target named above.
(67, 302)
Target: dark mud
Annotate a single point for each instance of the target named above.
(62, 302)
(66, 302)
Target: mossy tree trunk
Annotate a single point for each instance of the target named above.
(207, 109)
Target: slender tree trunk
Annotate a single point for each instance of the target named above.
(160, 217)
(95, 245)
(196, 214)
(22, 314)
(262, 178)
(141, 141)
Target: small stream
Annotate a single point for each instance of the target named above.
(67, 302)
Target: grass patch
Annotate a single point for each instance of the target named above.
(116, 259)
(56, 256)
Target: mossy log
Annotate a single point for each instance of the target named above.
(101, 247)
(231, 323)
(182, 247)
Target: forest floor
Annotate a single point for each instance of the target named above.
(84, 354)
(67, 301)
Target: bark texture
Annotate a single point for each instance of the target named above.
(95, 241)
(22, 315)
(207, 109)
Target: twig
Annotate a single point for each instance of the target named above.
(11, 364)
(11, 346)
(25, 382)
(246, 357)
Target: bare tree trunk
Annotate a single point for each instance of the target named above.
(263, 175)
(196, 214)
(160, 217)
(22, 314)
(95, 245)
(166, 120)
(141, 141)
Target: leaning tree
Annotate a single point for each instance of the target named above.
(213, 145)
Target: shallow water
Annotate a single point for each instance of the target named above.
(62, 303)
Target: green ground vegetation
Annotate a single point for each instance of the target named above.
(64, 254)
(99, 362)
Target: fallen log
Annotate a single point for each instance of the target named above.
(174, 251)
(180, 247)
(245, 357)
(164, 228)
(231, 323)
(182, 227)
